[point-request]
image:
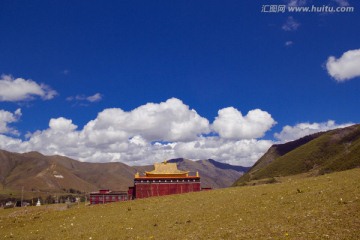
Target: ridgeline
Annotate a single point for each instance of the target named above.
(317, 154)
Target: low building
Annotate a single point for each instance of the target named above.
(165, 179)
(107, 196)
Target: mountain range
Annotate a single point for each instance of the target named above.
(316, 154)
(36, 172)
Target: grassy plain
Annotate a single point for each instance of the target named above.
(322, 207)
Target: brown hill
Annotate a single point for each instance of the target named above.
(36, 172)
(320, 153)
(59, 174)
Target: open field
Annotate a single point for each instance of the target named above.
(323, 207)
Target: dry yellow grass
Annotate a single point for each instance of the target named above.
(324, 207)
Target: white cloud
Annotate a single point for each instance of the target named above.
(60, 138)
(289, 43)
(290, 133)
(138, 140)
(152, 132)
(231, 124)
(342, 3)
(20, 89)
(291, 24)
(93, 98)
(11, 144)
(238, 152)
(346, 67)
(62, 125)
(167, 121)
(6, 118)
(296, 3)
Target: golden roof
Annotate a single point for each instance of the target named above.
(165, 168)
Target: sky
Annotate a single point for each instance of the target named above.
(139, 82)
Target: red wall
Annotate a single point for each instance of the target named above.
(144, 190)
(97, 198)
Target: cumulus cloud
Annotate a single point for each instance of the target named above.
(167, 121)
(19, 89)
(238, 152)
(231, 124)
(6, 118)
(60, 138)
(291, 24)
(138, 151)
(346, 67)
(62, 125)
(11, 143)
(152, 132)
(290, 133)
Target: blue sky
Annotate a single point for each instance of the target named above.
(299, 70)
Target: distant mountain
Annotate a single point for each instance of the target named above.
(37, 172)
(213, 174)
(320, 153)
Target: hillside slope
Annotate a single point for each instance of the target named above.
(331, 151)
(36, 172)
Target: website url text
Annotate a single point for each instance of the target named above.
(307, 9)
